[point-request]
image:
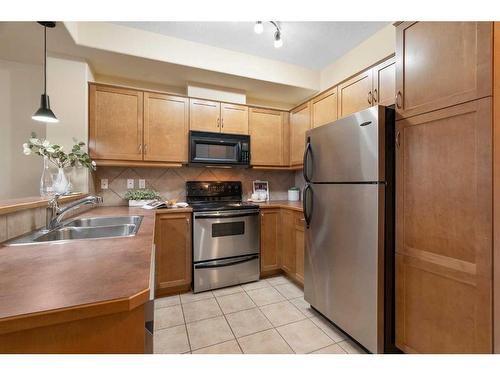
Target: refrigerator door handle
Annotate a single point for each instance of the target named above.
(307, 215)
(305, 160)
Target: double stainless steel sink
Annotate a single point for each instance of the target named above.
(84, 228)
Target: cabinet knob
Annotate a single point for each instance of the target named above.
(145, 148)
(222, 123)
(218, 122)
(187, 220)
(140, 147)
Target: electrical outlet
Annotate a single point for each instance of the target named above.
(104, 184)
(130, 183)
(142, 183)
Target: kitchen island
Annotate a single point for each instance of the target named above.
(80, 296)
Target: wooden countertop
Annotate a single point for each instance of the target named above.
(12, 205)
(296, 206)
(46, 284)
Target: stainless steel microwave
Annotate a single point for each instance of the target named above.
(206, 148)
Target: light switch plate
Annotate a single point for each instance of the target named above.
(130, 183)
(142, 183)
(104, 184)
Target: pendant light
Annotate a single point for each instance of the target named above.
(44, 113)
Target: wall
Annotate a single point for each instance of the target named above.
(171, 182)
(68, 90)
(20, 90)
(216, 93)
(372, 50)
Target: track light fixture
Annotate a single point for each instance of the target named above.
(278, 40)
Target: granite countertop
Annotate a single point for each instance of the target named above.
(51, 283)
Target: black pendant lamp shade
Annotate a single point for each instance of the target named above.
(44, 113)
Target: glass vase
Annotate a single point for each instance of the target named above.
(61, 183)
(46, 180)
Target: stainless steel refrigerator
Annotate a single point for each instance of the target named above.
(349, 213)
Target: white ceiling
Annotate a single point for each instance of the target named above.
(312, 45)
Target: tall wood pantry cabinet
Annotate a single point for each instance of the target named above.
(444, 187)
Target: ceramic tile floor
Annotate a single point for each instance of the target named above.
(265, 317)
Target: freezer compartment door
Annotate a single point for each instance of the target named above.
(346, 150)
(341, 276)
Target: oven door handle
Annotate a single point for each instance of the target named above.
(201, 215)
(226, 262)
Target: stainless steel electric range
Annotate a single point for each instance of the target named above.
(226, 235)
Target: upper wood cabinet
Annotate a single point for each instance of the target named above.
(115, 123)
(269, 240)
(440, 64)
(384, 83)
(324, 108)
(444, 229)
(300, 122)
(173, 252)
(218, 117)
(234, 118)
(355, 94)
(166, 128)
(267, 133)
(204, 115)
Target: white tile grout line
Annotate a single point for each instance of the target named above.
(229, 325)
(250, 308)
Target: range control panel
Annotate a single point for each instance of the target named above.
(213, 190)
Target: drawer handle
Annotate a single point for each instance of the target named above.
(218, 122)
(399, 99)
(375, 96)
(369, 97)
(140, 147)
(398, 136)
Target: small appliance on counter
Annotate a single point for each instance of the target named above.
(226, 235)
(294, 194)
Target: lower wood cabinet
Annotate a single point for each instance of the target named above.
(282, 243)
(299, 247)
(444, 230)
(288, 241)
(173, 233)
(269, 241)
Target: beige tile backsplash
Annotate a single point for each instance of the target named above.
(171, 182)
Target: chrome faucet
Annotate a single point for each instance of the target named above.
(57, 213)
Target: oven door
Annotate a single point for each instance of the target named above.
(225, 234)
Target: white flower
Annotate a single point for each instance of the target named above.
(46, 143)
(27, 151)
(25, 145)
(50, 150)
(93, 163)
(35, 141)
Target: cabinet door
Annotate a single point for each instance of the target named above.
(355, 94)
(440, 64)
(324, 108)
(300, 122)
(288, 241)
(269, 240)
(444, 230)
(299, 247)
(204, 115)
(384, 83)
(165, 128)
(266, 137)
(173, 250)
(234, 118)
(115, 123)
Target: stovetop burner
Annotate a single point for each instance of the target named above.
(216, 196)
